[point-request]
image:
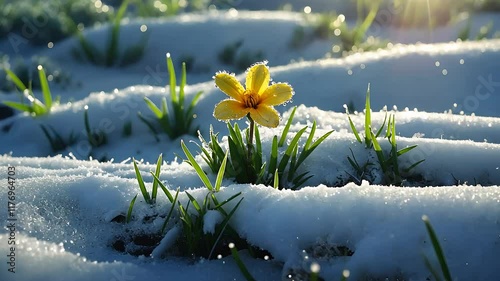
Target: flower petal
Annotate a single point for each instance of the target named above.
(230, 109)
(265, 116)
(228, 84)
(276, 94)
(258, 78)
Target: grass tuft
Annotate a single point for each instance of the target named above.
(180, 121)
(389, 164)
(35, 107)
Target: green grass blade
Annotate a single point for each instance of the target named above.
(353, 129)
(237, 134)
(112, 52)
(413, 165)
(257, 155)
(311, 136)
(18, 106)
(183, 84)
(393, 130)
(218, 205)
(186, 218)
(170, 211)
(306, 152)
(173, 79)
(224, 224)
(381, 127)
(432, 269)
(215, 146)
(290, 149)
(130, 208)
(52, 142)
(238, 156)
(156, 111)
(142, 187)
(38, 107)
(379, 152)
(47, 95)
(203, 177)
(149, 125)
(87, 125)
(220, 174)
(354, 163)
(195, 203)
(273, 161)
(57, 143)
(406, 149)
(154, 191)
(19, 84)
(163, 187)
(241, 265)
(192, 105)
(394, 148)
(368, 118)
(287, 128)
(361, 29)
(437, 248)
(276, 183)
(293, 163)
(164, 108)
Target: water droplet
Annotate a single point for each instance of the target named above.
(437, 63)
(315, 267)
(445, 72)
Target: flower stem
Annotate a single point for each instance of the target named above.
(250, 137)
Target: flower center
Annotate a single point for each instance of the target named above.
(251, 99)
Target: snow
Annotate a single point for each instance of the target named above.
(444, 95)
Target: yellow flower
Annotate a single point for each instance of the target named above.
(257, 99)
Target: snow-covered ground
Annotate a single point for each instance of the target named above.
(445, 97)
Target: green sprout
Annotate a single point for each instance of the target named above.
(57, 142)
(96, 138)
(388, 163)
(439, 253)
(110, 56)
(149, 199)
(36, 107)
(181, 120)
